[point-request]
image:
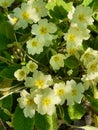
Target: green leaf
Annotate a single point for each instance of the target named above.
(66, 116)
(6, 32)
(8, 72)
(6, 29)
(66, 6)
(45, 122)
(50, 5)
(87, 2)
(3, 42)
(58, 12)
(3, 115)
(59, 9)
(2, 17)
(5, 84)
(1, 127)
(93, 102)
(95, 45)
(7, 102)
(95, 5)
(24, 37)
(71, 62)
(20, 122)
(76, 111)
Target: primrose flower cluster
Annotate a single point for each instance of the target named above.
(29, 12)
(45, 94)
(80, 18)
(90, 61)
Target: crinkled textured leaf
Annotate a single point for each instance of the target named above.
(46, 122)
(6, 29)
(8, 72)
(66, 6)
(95, 5)
(66, 116)
(71, 62)
(76, 111)
(87, 2)
(59, 9)
(5, 84)
(3, 42)
(20, 122)
(5, 103)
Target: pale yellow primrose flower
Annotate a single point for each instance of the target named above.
(73, 51)
(39, 80)
(74, 92)
(83, 33)
(39, 6)
(73, 38)
(26, 102)
(89, 55)
(6, 3)
(60, 91)
(44, 31)
(46, 102)
(92, 66)
(83, 16)
(57, 61)
(35, 46)
(26, 14)
(89, 80)
(32, 66)
(20, 74)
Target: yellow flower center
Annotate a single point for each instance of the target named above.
(56, 58)
(39, 83)
(22, 73)
(74, 92)
(15, 20)
(86, 55)
(25, 15)
(46, 101)
(30, 102)
(71, 51)
(93, 67)
(34, 43)
(81, 17)
(60, 92)
(71, 37)
(5, 3)
(31, 66)
(43, 30)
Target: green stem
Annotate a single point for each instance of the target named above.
(5, 60)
